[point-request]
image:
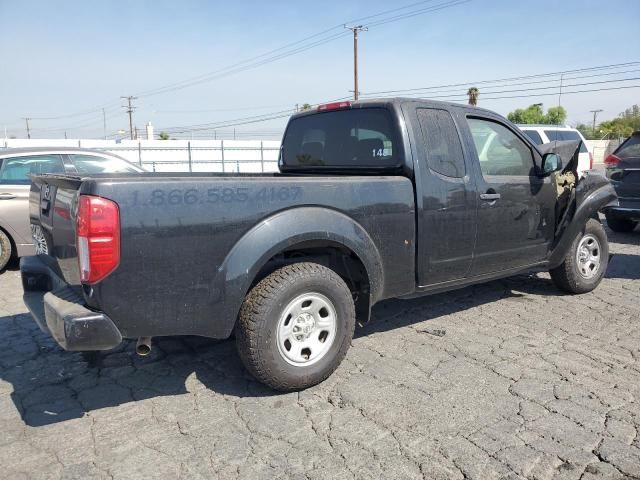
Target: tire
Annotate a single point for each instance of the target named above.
(620, 224)
(319, 332)
(577, 274)
(5, 250)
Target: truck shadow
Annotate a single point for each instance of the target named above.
(49, 385)
(392, 314)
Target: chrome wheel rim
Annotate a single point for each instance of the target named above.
(588, 256)
(39, 240)
(306, 329)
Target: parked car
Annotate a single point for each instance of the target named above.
(623, 169)
(540, 134)
(375, 199)
(16, 166)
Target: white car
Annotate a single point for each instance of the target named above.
(540, 134)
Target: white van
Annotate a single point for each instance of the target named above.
(540, 134)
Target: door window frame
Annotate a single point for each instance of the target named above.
(61, 156)
(515, 131)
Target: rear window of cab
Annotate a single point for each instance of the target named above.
(361, 138)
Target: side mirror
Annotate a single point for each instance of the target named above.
(551, 162)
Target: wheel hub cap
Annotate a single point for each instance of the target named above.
(306, 329)
(588, 257)
(303, 326)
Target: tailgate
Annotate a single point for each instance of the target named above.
(52, 207)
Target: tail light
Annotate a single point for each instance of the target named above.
(612, 160)
(334, 106)
(590, 161)
(98, 238)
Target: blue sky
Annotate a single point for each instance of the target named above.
(64, 57)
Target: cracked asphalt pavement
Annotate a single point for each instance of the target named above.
(510, 379)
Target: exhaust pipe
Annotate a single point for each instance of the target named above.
(143, 346)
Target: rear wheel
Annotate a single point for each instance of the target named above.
(5, 250)
(586, 261)
(295, 326)
(620, 224)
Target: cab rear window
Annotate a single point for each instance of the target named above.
(341, 139)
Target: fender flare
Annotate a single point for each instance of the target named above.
(280, 231)
(588, 207)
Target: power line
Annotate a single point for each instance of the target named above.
(525, 77)
(301, 46)
(499, 82)
(250, 120)
(433, 8)
(566, 93)
(555, 87)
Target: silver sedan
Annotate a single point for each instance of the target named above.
(16, 167)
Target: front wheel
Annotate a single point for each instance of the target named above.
(295, 326)
(586, 261)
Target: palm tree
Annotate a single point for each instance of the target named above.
(473, 93)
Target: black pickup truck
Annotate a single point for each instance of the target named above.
(374, 199)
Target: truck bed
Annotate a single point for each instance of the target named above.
(187, 240)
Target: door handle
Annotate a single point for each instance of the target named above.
(490, 196)
(7, 196)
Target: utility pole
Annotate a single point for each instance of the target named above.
(28, 127)
(355, 30)
(595, 114)
(130, 108)
(104, 124)
(560, 93)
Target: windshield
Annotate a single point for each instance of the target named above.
(358, 138)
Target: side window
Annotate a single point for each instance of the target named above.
(444, 149)
(500, 151)
(17, 170)
(534, 136)
(94, 164)
(563, 135)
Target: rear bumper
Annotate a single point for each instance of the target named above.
(58, 309)
(631, 213)
(629, 207)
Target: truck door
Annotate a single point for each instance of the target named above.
(516, 207)
(446, 198)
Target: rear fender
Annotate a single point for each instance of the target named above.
(593, 193)
(275, 234)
